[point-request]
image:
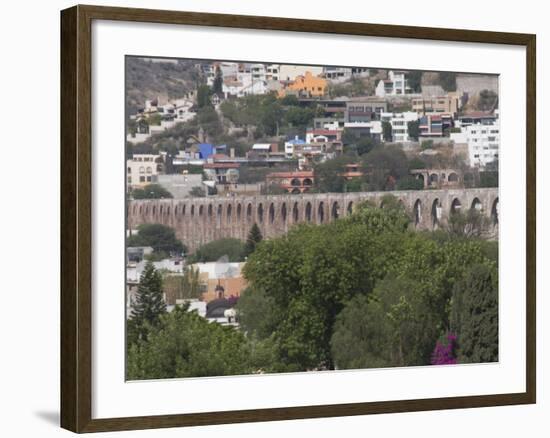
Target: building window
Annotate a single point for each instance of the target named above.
(141, 179)
(142, 169)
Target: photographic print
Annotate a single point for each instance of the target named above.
(308, 218)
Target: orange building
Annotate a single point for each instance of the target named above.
(306, 85)
(292, 182)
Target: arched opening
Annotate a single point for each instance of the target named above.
(308, 182)
(183, 210)
(201, 210)
(134, 209)
(168, 211)
(456, 206)
(453, 178)
(295, 182)
(350, 207)
(420, 177)
(229, 213)
(271, 213)
(308, 212)
(249, 212)
(417, 210)
(192, 210)
(295, 212)
(433, 178)
(210, 211)
(239, 212)
(436, 213)
(295, 191)
(335, 211)
(219, 211)
(495, 212)
(176, 210)
(477, 205)
(140, 209)
(160, 210)
(154, 210)
(146, 210)
(260, 213)
(321, 213)
(283, 212)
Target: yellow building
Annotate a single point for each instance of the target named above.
(306, 85)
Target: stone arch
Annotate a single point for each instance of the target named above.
(201, 210)
(434, 178)
(321, 212)
(476, 205)
(456, 205)
(453, 177)
(210, 210)
(160, 210)
(154, 210)
(192, 210)
(350, 207)
(168, 211)
(140, 209)
(436, 213)
(295, 182)
(239, 212)
(295, 212)
(335, 210)
(283, 212)
(219, 213)
(295, 191)
(308, 212)
(183, 210)
(146, 210)
(495, 212)
(271, 213)
(229, 213)
(249, 212)
(417, 212)
(308, 182)
(260, 212)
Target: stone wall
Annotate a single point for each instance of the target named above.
(201, 220)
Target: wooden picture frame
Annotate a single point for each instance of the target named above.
(76, 217)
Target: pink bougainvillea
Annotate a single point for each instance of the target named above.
(445, 352)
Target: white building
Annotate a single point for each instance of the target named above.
(142, 169)
(395, 85)
(399, 124)
(483, 142)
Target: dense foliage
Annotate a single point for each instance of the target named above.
(160, 237)
(232, 248)
(151, 191)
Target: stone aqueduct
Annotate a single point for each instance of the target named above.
(201, 220)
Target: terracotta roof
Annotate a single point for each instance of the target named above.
(302, 174)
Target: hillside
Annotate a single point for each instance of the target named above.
(148, 79)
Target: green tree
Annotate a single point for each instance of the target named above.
(151, 191)
(149, 303)
(387, 131)
(160, 237)
(392, 327)
(474, 314)
(414, 80)
(257, 313)
(329, 175)
(197, 192)
(409, 183)
(385, 165)
(203, 96)
(252, 240)
(447, 80)
(212, 251)
(217, 85)
(472, 223)
(185, 344)
(413, 128)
